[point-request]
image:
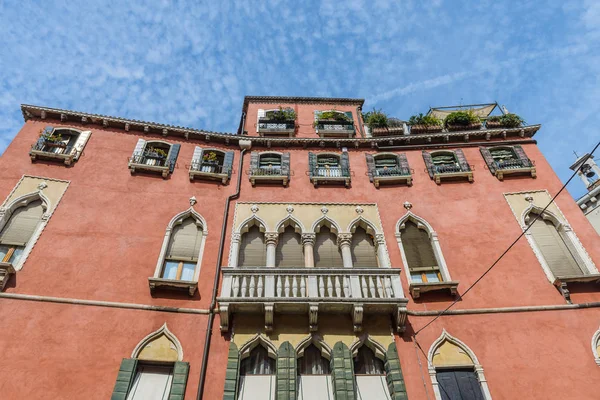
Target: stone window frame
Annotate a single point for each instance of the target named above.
(595, 344)
(416, 288)
(163, 330)
(262, 113)
(445, 336)
(156, 280)
(257, 340)
(164, 170)
(284, 178)
(78, 146)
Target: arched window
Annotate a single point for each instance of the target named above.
(289, 249)
(327, 253)
(314, 375)
(444, 162)
(369, 372)
(363, 249)
(61, 141)
(182, 253)
(18, 231)
(422, 263)
(329, 165)
(257, 375)
(253, 250)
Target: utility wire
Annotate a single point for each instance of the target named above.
(509, 247)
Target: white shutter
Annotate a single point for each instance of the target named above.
(139, 147)
(553, 248)
(372, 387)
(151, 383)
(185, 240)
(260, 114)
(82, 140)
(315, 387)
(22, 223)
(257, 387)
(197, 157)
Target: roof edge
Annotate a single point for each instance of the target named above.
(301, 100)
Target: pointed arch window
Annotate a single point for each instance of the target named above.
(314, 375)
(289, 249)
(370, 375)
(18, 230)
(327, 253)
(363, 249)
(257, 375)
(253, 250)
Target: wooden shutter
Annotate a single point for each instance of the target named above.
(417, 247)
(462, 160)
(403, 162)
(363, 250)
(22, 223)
(197, 157)
(489, 160)
(124, 379)
(180, 375)
(342, 372)
(553, 248)
(289, 249)
(228, 163)
(312, 163)
(185, 240)
(172, 157)
(231, 374)
(139, 147)
(459, 384)
(345, 163)
(394, 377)
(80, 143)
(285, 164)
(327, 253)
(370, 166)
(428, 163)
(254, 156)
(286, 372)
(522, 156)
(253, 251)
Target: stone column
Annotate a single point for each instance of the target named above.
(271, 239)
(234, 252)
(382, 256)
(344, 240)
(308, 242)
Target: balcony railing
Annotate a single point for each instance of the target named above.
(514, 167)
(150, 159)
(335, 128)
(331, 172)
(266, 125)
(266, 171)
(513, 164)
(355, 290)
(209, 168)
(56, 150)
(446, 168)
(392, 172)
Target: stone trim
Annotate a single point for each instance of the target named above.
(595, 344)
(163, 330)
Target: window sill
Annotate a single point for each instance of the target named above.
(453, 175)
(224, 178)
(276, 132)
(67, 159)
(164, 171)
(6, 270)
(172, 284)
(516, 171)
(561, 283)
(345, 133)
(331, 179)
(417, 288)
(284, 179)
(378, 180)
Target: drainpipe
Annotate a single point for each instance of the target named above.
(213, 303)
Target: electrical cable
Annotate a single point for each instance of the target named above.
(509, 247)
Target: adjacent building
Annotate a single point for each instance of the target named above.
(589, 173)
(304, 256)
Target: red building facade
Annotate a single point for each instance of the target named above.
(294, 259)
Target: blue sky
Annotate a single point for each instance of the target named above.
(191, 63)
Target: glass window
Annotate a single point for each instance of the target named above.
(369, 371)
(170, 271)
(187, 274)
(151, 382)
(314, 380)
(257, 376)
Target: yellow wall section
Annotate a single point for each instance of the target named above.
(518, 204)
(159, 349)
(29, 184)
(448, 354)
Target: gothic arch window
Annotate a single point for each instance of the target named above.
(596, 347)
(326, 251)
(253, 250)
(370, 376)
(257, 370)
(180, 258)
(363, 249)
(422, 256)
(18, 230)
(314, 374)
(455, 372)
(289, 249)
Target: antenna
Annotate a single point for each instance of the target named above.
(576, 155)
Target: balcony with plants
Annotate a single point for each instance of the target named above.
(55, 145)
(461, 120)
(424, 124)
(270, 168)
(281, 122)
(504, 121)
(152, 158)
(210, 166)
(378, 124)
(334, 124)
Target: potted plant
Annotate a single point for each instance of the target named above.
(210, 158)
(424, 124)
(377, 121)
(156, 152)
(331, 116)
(504, 121)
(462, 121)
(283, 114)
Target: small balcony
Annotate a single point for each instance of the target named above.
(334, 128)
(312, 290)
(149, 162)
(268, 175)
(392, 175)
(514, 167)
(562, 282)
(450, 171)
(210, 171)
(53, 150)
(328, 175)
(6, 270)
(274, 127)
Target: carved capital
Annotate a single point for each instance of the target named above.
(269, 317)
(357, 317)
(380, 239)
(236, 237)
(401, 319)
(313, 314)
(271, 238)
(224, 313)
(344, 239)
(308, 239)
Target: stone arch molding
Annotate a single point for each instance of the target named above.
(258, 340)
(596, 346)
(324, 220)
(253, 220)
(190, 212)
(162, 333)
(7, 211)
(293, 221)
(367, 340)
(319, 343)
(364, 223)
(445, 337)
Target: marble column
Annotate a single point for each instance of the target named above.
(271, 239)
(308, 242)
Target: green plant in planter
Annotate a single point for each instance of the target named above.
(376, 119)
(283, 114)
(427, 120)
(333, 114)
(55, 138)
(211, 157)
(157, 151)
(463, 118)
(507, 120)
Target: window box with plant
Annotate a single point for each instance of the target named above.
(504, 121)
(276, 122)
(329, 168)
(334, 123)
(269, 167)
(156, 157)
(447, 165)
(507, 160)
(388, 168)
(65, 145)
(379, 124)
(424, 124)
(211, 164)
(462, 121)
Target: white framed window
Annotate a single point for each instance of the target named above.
(65, 144)
(257, 375)
(370, 376)
(151, 382)
(314, 375)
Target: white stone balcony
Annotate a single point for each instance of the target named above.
(313, 291)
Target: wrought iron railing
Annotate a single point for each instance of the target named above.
(276, 125)
(335, 126)
(208, 167)
(48, 146)
(446, 168)
(397, 171)
(150, 159)
(331, 172)
(513, 164)
(266, 171)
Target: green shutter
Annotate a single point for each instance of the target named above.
(172, 157)
(522, 156)
(393, 372)
(312, 164)
(253, 162)
(124, 379)
(286, 372)
(489, 160)
(403, 163)
(370, 166)
(285, 164)
(462, 160)
(231, 376)
(228, 163)
(342, 373)
(180, 375)
(428, 163)
(345, 163)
